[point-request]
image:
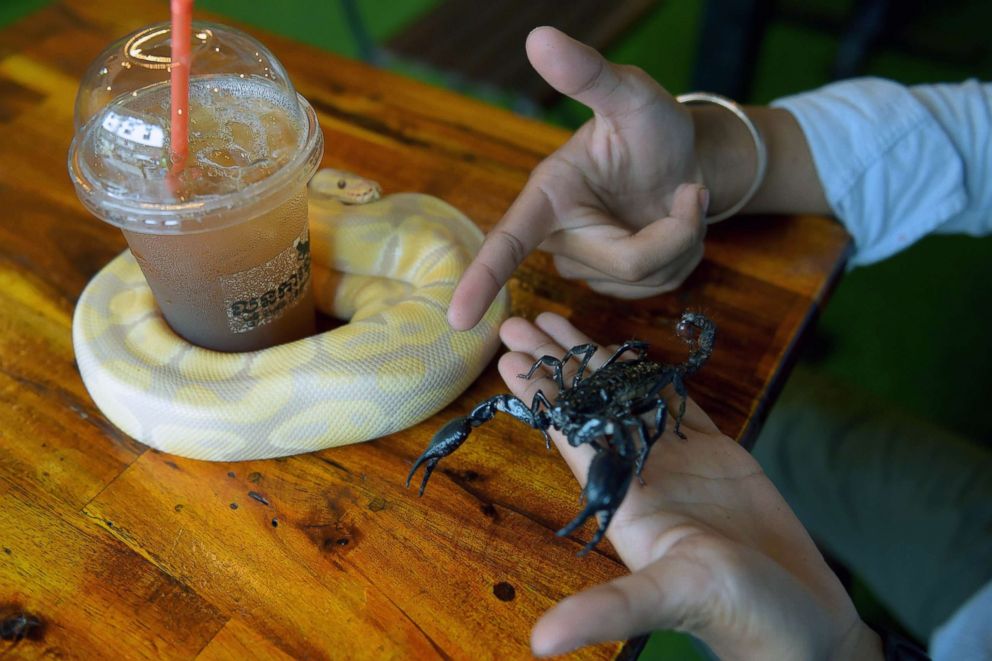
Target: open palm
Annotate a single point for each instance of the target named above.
(713, 548)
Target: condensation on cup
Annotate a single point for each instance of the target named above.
(223, 243)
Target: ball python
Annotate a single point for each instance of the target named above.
(387, 264)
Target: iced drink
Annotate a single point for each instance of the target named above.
(252, 288)
(223, 243)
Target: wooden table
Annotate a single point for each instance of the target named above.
(123, 551)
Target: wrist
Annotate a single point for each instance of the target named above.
(725, 154)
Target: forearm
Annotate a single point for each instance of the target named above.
(727, 161)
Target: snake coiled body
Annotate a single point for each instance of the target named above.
(389, 266)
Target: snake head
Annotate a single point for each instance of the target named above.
(344, 187)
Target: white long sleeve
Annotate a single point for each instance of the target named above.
(967, 634)
(898, 163)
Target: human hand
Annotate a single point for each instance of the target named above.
(615, 205)
(713, 548)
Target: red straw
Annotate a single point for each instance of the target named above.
(182, 28)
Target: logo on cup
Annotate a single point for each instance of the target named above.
(262, 294)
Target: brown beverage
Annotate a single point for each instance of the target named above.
(251, 287)
(224, 244)
(244, 286)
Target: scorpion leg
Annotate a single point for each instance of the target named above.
(547, 360)
(451, 436)
(585, 350)
(606, 485)
(645, 444)
(541, 419)
(679, 384)
(660, 417)
(630, 345)
(648, 438)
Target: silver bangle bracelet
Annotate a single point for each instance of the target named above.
(760, 150)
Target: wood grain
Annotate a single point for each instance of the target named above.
(123, 551)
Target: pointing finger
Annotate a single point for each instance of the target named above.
(525, 225)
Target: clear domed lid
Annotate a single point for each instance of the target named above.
(249, 131)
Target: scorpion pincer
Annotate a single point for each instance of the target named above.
(605, 409)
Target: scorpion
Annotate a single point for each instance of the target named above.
(603, 409)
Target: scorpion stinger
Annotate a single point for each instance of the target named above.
(699, 333)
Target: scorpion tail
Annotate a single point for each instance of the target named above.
(699, 332)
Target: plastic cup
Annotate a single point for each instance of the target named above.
(223, 243)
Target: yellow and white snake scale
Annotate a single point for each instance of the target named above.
(389, 266)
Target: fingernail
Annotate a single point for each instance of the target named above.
(704, 199)
(539, 27)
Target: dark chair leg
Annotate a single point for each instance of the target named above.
(368, 51)
(729, 43)
(863, 32)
